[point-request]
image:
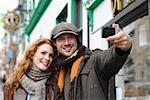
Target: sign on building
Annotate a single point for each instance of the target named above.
(11, 20)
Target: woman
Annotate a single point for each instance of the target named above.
(34, 77)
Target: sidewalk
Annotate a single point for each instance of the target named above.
(1, 92)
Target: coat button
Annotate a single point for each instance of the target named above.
(95, 85)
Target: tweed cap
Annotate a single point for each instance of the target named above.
(63, 27)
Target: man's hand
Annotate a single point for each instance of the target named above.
(120, 39)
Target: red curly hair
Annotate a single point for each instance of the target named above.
(26, 62)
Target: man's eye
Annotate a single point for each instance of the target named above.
(71, 37)
(60, 38)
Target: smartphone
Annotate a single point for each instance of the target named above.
(107, 31)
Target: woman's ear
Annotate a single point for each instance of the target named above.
(54, 42)
(32, 57)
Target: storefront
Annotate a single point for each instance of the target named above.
(133, 82)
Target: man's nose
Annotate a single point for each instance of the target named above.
(66, 41)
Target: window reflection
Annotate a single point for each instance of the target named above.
(136, 70)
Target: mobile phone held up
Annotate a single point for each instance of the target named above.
(108, 31)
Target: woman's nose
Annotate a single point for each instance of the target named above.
(47, 57)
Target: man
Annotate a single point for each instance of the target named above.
(84, 74)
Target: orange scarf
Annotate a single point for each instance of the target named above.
(73, 74)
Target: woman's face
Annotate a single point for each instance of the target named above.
(43, 57)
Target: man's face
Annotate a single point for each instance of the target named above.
(66, 44)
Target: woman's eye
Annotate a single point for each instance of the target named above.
(42, 52)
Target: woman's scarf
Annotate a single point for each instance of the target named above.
(34, 82)
(36, 74)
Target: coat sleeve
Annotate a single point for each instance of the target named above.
(109, 62)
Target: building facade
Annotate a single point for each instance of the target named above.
(90, 16)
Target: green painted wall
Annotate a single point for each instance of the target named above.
(39, 11)
(73, 11)
(90, 12)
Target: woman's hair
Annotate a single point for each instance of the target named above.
(26, 62)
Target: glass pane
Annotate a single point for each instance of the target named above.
(133, 81)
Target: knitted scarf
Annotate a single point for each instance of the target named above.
(34, 82)
(64, 62)
(74, 62)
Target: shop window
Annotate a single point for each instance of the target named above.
(136, 70)
(143, 36)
